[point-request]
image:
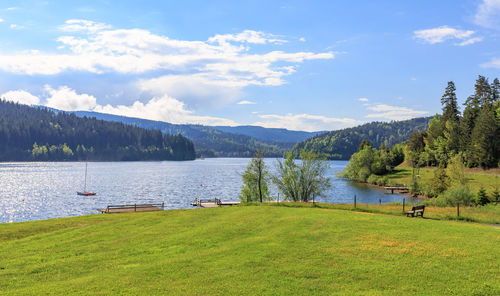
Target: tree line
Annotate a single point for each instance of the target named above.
(473, 134)
(342, 144)
(39, 134)
(452, 142)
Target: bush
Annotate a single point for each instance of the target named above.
(373, 179)
(461, 194)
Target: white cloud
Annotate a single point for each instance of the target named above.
(363, 99)
(388, 112)
(1, 20)
(65, 98)
(494, 63)
(14, 26)
(21, 96)
(245, 102)
(443, 33)
(305, 122)
(488, 14)
(247, 36)
(85, 26)
(200, 72)
(196, 90)
(163, 109)
(138, 51)
(302, 39)
(470, 41)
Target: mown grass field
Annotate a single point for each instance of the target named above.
(477, 178)
(489, 214)
(249, 250)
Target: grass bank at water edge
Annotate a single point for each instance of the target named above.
(252, 250)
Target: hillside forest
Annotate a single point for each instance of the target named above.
(38, 134)
(453, 141)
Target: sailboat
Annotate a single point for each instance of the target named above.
(85, 192)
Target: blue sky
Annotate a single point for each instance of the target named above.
(301, 65)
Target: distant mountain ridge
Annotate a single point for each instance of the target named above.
(269, 134)
(210, 141)
(341, 144)
(244, 141)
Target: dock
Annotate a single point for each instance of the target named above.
(397, 188)
(114, 209)
(208, 203)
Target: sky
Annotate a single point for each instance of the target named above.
(301, 65)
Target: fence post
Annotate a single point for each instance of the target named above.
(403, 204)
(278, 197)
(163, 205)
(379, 201)
(354, 200)
(135, 207)
(458, 209)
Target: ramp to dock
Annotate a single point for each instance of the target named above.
(208, 203)
(114, 209)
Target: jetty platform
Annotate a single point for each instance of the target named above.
(402, 189)
(114, 209)
(209, 203)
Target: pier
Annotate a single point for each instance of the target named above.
(114, 209)
(397, 188)
(208, 203)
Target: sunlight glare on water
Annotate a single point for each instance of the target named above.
(43, 190)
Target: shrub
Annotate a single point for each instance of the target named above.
(373, 179)
(461, 194)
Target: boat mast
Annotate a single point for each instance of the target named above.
(85, 185)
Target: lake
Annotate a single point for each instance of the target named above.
(43, 190)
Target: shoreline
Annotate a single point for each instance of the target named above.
(381, 187)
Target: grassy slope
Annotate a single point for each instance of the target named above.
(488, 179)
(249, 250)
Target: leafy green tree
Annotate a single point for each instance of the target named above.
(360, 165)
(439, 183)
(305, 180)
(255, 180)
(456, 170)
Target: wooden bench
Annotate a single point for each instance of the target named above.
(415, 211)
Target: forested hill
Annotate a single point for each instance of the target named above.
(269, 134)
(28, 133)
(341, 144)
(208, 141)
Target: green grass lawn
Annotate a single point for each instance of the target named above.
(477, 178)
(249, 250)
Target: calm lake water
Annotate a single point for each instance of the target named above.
(43, 190)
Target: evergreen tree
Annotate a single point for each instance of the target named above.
(481, 197)
(483, 150)
(450, 105)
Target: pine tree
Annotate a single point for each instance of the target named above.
(482, 197)
(483, 149)
(450, 105)
(495, 90)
